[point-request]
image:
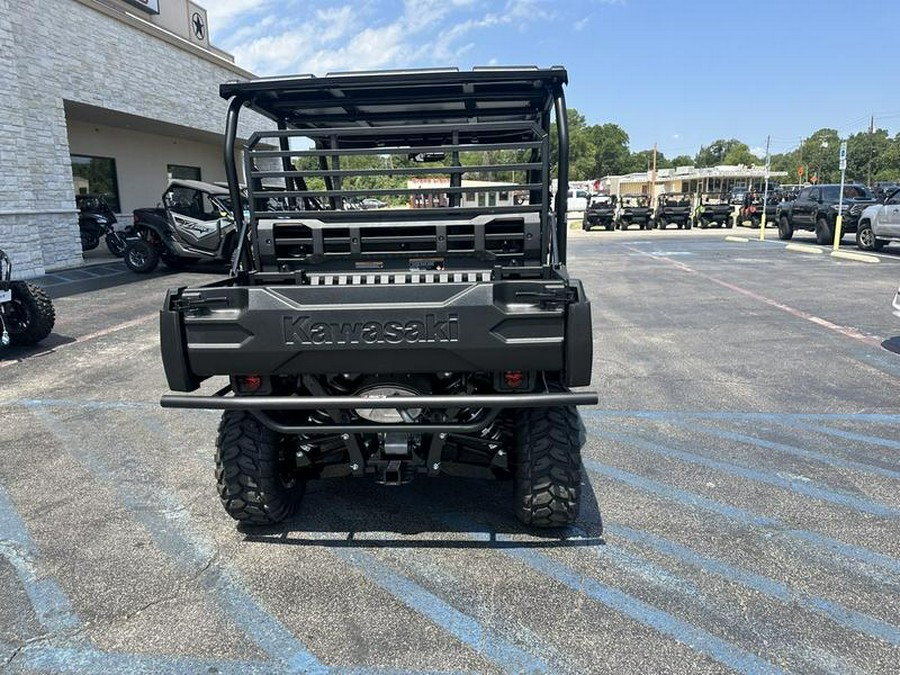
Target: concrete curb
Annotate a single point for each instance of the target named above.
(860, 257)
(804, 248)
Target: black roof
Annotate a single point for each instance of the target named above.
(398, 98)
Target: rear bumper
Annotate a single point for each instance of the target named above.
(375, 327)
(491, 405)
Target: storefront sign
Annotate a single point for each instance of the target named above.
(149, 6)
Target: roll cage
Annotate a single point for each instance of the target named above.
(452, 135)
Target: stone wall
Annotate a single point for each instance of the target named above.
(72, 50)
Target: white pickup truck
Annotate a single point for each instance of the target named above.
(879, 224)
(576, 203)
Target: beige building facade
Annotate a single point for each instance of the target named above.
(102, 96)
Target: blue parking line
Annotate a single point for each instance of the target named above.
(842, 616)
(75, 405)
(798, 487)
(743, 517)
(852, 436)
(51, 606)
(686, 633)
(187, 550)
(644, 613)
(876, 418)
(837, 462)
(72, 660)
(468, 630)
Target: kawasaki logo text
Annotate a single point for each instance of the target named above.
(431, 329)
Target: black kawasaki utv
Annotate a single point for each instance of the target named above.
(673, 208)
(600, 212)
(439, 334)
(26, 312)
(713, 208)
(634, 209)
(194, 223)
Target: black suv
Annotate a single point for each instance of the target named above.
(442, 336)
(816, 209)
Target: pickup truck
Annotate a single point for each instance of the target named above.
(816, 209)
(879, 223)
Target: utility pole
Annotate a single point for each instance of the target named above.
(653, 178)
(871, 150)
(762, 222)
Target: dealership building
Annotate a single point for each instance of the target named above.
(102, 96)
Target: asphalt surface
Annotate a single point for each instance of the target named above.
(744, 457)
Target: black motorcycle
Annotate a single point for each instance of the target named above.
(96, 219)
(26, 312)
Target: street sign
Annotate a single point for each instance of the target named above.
(843, 155)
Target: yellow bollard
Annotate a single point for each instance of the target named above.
(762, 227)
(837, 231)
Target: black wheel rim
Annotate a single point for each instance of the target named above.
(17, 317)
(137, 258)
(287, 466)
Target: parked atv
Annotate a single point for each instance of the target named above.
(601, 212)
(195, 223)
(634, 209)
(675, 208)
(712, 209)
(753, 211)
(96, 219)
(26, 313)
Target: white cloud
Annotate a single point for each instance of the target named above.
(222, 12)
(676, 136)
(278, 39)
(581, 23)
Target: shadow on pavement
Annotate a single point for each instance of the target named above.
(892, 344)
(360, 514)
(46, 346)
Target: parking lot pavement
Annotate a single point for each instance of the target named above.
(744, 457)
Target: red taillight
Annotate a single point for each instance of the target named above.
(514, 378)
(250, 383)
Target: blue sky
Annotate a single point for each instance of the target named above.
(677, 72)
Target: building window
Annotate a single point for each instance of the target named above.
(96, 176)
(183, 172)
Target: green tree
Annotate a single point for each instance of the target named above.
(682, 160)
(714, 153)
(739, 153)
(867, 154)
(821, 153)
(890, 162)
(643, 161)
(609, 145)
(786, 161)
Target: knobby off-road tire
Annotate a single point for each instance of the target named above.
(548, 466)
(141, 257)
(252, 474)
(34, 314)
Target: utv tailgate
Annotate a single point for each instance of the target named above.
(365, 326)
